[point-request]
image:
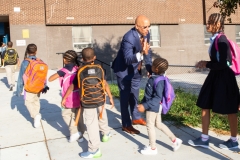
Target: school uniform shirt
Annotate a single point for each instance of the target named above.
(152, 97)
(68, 67)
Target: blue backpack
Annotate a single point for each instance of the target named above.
(168, 93)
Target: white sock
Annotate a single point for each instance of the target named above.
(204, 137)
(234, 139)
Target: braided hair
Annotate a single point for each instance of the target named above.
(161, 65)
(215, 18)
(70, 56)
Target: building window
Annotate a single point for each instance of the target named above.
(154, 36)
(82, 37)
(237, 30)
(207, 36)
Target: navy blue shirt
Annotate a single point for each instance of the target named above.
(68, 67)
(152, 97)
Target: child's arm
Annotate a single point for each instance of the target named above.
(69, 90)
(107, 89)
(53, 77)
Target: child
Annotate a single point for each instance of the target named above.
(67, 74)
(90, 115)
(31, 99)
(150, 103)
(10, 60)
(220, 92)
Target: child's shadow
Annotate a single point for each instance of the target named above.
(52, 114)
(4, 80)
(114, 120)
(18, 103)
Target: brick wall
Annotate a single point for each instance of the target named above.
(31, 11)
(108, 11)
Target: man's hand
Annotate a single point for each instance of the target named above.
(141, 108)
(111, 102)
(145, 46)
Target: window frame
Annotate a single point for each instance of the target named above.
(82, 43)
(158, 37)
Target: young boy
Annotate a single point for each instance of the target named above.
(31, 99)
(90, 114)
(10, 60)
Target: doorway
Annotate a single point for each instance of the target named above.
(4, 29)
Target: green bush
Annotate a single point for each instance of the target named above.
(185, 112)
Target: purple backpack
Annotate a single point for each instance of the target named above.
(73, 100)
(168, 93)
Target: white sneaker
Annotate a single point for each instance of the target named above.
(87, 154)
(149, 151)
(80, 140)
(37, 120)
(74, 137)
(176, 145)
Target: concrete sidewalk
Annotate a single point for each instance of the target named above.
(20, 141)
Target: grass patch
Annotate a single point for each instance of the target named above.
(185, 112)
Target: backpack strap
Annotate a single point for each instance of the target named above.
(216, 40)
(160, 78)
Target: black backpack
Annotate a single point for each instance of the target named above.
(91, 84)
(10, 57)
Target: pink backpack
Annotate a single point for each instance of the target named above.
(73, 100)
(235, 52)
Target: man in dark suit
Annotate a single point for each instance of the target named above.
(127, 66)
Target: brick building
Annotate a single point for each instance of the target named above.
(178, 26)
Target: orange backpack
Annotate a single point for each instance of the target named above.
(35, 76)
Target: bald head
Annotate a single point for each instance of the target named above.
(142, 25)
(140, 19)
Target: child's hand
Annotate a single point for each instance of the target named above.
(63, 103)
(141, 108)
(112, 103)
(45, 89)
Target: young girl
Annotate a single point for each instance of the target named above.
(66, 76)
(150, 103)
(220, 92)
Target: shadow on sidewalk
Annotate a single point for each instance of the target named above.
(181, 133)
(52, 114)
(4, 80)
(18, 103)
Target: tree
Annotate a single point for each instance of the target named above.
(227, 7)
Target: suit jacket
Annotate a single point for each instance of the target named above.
(125, 65)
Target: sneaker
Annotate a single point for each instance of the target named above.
(80, 140)
(199, 142)
(176, 145)
(87, 154)
(229, 144)
(37, 121)
(106, 138)
(74, 137)
(149, 151)
(11, 87)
